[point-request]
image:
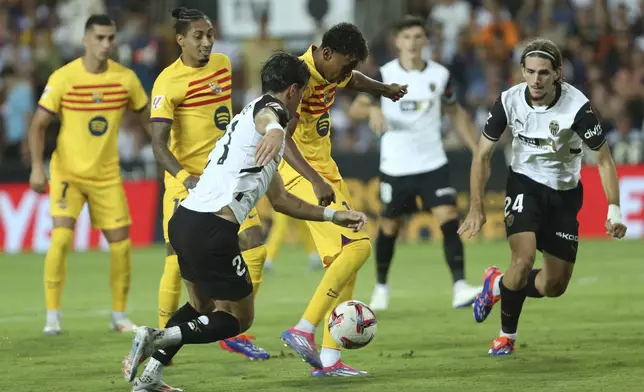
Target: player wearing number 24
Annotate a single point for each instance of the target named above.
(544, 191)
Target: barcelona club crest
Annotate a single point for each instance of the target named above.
(97, 97)
(554, 127)
(327, 98)
(216, 89)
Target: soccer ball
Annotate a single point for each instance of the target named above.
(352, 324)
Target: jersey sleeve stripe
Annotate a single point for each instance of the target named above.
(600, 145)
(197, 89)
(208, 94)
(161, 119)
(88, 86)
(93, 108)
(314, 112)
(45, 109)
(207, 102)
(219, 72)
(488, 137)
(65, 100)
(77, 94)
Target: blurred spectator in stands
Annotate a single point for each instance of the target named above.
(625, 140)
(17, 110)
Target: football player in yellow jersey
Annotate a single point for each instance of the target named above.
(91, 94)
(310, 173)
(191, 107)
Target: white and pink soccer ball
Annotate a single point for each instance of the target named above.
(352, 324)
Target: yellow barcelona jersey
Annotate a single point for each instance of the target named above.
(313, 133)
(91, 107)
(196, 101)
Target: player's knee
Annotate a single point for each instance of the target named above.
(61, 238)
(555, 287)
(361, 248)
(117, 235)
(390, 227)
(522, 263)
(203, 307)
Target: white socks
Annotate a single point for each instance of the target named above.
(305, 326)
(496, 289)
(460, 285)
(153, 368)
(329, 356)
(53, 316)
(171, 336)
(512, 336)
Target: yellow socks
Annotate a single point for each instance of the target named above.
(255, 259)
(120, 272)
(336, 278)
(345, 295)
(169, 290)
(276, 236)
(55, 271)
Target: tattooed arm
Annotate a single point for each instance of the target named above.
(160, 136)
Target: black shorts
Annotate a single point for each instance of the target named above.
(549, 213)
(398, 194)
(207, 247)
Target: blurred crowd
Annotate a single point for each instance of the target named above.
(480, 41)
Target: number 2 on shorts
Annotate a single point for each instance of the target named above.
(517, 206)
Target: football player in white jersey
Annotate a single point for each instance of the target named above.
(413, 162)
(203, 231)
(549, 120)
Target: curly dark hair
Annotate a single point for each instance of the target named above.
(281, 71)
(346, 39)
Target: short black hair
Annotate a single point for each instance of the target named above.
(184, 17)
(282, 70)
(409, 21)
(98, 20)
(545, 49)
(346, 39)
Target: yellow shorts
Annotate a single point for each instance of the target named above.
(329, 238)
(172, 197)
(108, 207)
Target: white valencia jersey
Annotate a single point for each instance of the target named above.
(413, 142)
(231, 177)
(547, 141)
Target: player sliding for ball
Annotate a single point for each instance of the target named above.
(204, 229)
(549, 120)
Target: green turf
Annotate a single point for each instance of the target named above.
(588, 340)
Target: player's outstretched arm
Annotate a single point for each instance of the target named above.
(36, 141)
(588, 128)
(479, 175)
(291, 205)
(363, 83)
(160, 133)
(610, 181)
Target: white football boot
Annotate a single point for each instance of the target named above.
(380, 297)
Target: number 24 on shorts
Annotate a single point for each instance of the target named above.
(516, 206)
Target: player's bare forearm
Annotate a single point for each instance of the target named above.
(291, 205)
(363, 83)
(36, 138)
(608, 174)
(294, 157)
(480, 172)
(160, 132)
(463, 125)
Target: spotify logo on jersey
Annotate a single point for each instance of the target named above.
(324, 124)
(98, 126)
(222, 117)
